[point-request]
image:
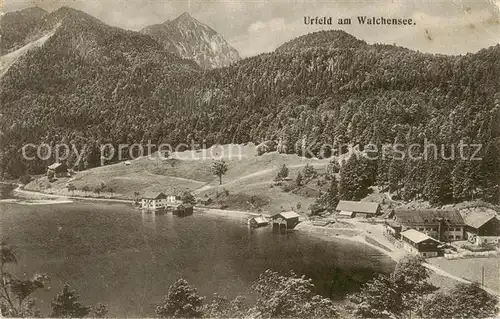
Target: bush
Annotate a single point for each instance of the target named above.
(25, 179)
(181, 301)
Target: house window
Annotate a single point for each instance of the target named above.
(421, 229)
(458, 237)
(424, 254)
(458, 229)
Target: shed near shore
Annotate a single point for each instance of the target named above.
(351, 208)
(259, 221)
(288, 220)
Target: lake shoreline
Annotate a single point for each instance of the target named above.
(243, 216)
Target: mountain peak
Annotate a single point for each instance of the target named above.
(68, 11)
(189, 38)
(34, 10)
(322, 39)
(187, 18)
(185, 15)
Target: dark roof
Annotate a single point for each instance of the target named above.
(286, 215)
(261, 220)
(477, 219)
(428, 217)
(154, 195)
(358, 207)
(393, 224)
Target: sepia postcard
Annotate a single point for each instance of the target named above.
(250, 159)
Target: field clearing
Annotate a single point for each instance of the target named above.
(249, 177)
(470, 269)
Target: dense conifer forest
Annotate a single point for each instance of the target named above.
(91, 84)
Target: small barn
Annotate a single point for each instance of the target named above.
(184, 210)
(259, 221)
(482, 228)
(357, 209)
(421, 244)
(285, 220)
(58, 169)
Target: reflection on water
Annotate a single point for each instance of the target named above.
(117, 255)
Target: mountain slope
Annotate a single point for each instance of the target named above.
(15, 27)
(91, 84)
(188, 38)
(86, 74)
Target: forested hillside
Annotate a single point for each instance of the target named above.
(88, 84)
(92, 84)
(16, 26)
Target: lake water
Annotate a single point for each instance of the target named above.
(113, 254)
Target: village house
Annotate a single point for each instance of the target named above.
(154, 200)
(442, 225)
(285, 220)
(158, 200)
(481, 227)
(357, 209)
(258, 221)
(58, 170)
(419, 243)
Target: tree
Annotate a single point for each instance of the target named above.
(317, 207)
(66, 305)
(100, 311)
(377, 299)
(395, 175)
(85, 189)
(282, 173)
(222, 307)
(356, 176)
(188, 198)
(332, 168)
(298, 180)
(290, 297)
(110, 190)
(25, 179)
(463, 301)
(332, 195)
(15, 293)
(219, 168)
(396, 295)
(50, 176)
(309, 172)
(97, 190)
(438, 305)
(181, 301)
(136, 196)
(438, 183)
(71, 188)
(410, 279)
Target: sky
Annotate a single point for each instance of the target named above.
(257, 26)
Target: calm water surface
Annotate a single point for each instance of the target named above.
(113, 254)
